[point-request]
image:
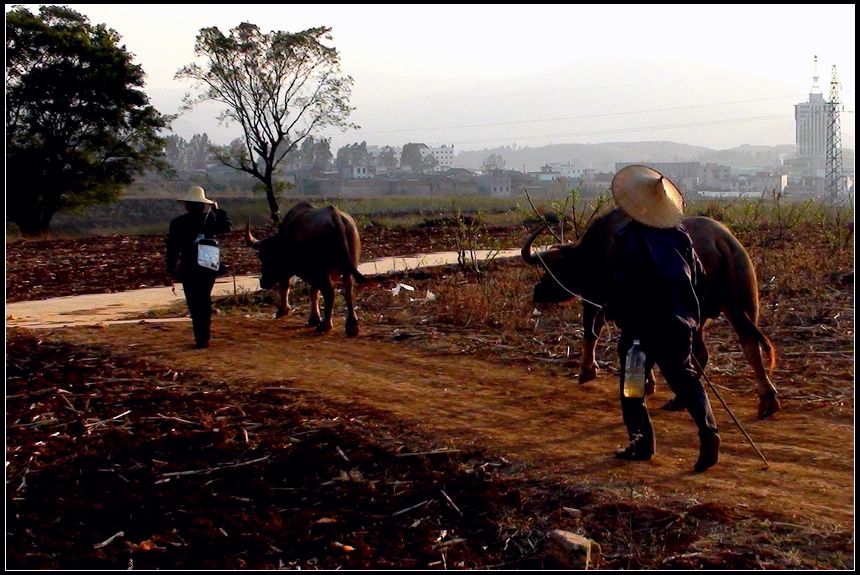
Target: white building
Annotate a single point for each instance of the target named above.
(555, 171)
(376, 151)
(356, 172)
(760, 183)
(811, 128)
(567, 170)
(444, 156)
(496, 184)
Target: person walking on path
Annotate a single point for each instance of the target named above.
(193, 257)
(657, 287)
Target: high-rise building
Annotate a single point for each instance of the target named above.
(811, 121)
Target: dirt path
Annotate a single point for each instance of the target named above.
(529, 414)
(88, 309)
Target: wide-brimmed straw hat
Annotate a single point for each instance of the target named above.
(648, 196)
(196, 194)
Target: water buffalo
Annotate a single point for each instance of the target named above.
(317, 245)
(585, 268)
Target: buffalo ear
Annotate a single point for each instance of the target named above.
(553, 255)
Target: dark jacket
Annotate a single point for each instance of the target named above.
(658, 280)
(182, 236)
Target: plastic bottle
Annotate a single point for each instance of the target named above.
(634, 372)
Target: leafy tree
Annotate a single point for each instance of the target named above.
(344, 157)
(279, 87)
(173, 150)
(306, 152)
(388, 157)
(199, 152)
(411, 156)
(360, 155)
(494, 162)
(315, 155)
(429, 162)
(322, 155)
(353, 155)
(78, 125)
(186, 155)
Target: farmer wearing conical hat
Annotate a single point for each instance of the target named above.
(191, 244)
(655, 300)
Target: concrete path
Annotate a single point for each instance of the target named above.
(94, 309)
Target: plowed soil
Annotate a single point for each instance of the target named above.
(401, 448)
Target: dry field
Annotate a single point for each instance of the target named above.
(450, 434)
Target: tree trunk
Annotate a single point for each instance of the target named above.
(273, 201)
(33, 225)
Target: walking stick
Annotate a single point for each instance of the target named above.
(720, 397)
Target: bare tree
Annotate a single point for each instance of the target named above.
(279, 87)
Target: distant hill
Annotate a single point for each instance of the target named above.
(748, 156)
(602, 157)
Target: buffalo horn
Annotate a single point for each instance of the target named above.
(249, 238)
(527, 248)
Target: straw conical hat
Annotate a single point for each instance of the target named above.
(195, 194)
(648, 196)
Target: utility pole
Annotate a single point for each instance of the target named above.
(834, 182)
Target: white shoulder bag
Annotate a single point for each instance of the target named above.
(208, 252)
(208, 255)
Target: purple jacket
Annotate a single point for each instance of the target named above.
(658, 280)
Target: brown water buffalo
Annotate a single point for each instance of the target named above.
(585, 268)
(317, 245)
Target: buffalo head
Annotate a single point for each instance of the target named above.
(268, 253)
(563, 267)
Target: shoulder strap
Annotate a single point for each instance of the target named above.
(203, 225)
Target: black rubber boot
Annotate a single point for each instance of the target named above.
(637, 450)
(674, 404)
(709, 452)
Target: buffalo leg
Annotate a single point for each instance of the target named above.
(327, 290)
(314, 319)
(768, 403)
(283, 300)
(592, 322)
(351, 318)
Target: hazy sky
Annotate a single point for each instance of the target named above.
(480, 76)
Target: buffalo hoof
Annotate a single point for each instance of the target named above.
(587, 374)
(352, 328)
(282, 312)
(314, 322)
(324, 328)
(768, 404)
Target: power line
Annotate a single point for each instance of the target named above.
(629, 130)
(564, 118)
(484, 94)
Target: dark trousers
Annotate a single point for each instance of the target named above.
(671, 349)
(198, 296)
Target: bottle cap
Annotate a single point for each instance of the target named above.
(635, 342)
